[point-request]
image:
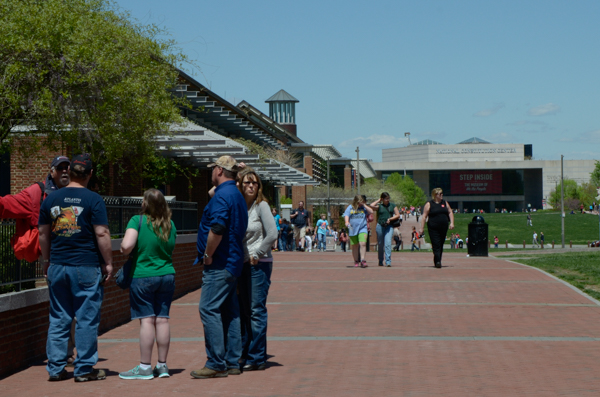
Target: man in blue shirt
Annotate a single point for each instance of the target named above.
(220, 236)
(76, 247)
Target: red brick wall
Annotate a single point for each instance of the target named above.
(25, 170)
(24, 331)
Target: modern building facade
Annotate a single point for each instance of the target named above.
(476, 174)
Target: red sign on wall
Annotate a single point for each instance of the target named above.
(476, 182)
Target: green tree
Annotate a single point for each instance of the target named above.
(413, 194)
(82, 73)
(595, 175)
(572, 194)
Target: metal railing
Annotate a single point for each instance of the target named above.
(121, 209)
(16, 275)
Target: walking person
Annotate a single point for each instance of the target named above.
(343, 239)
(439, 217)
(277, 220)
(322, 225)
(308, 239)
(414, 237)
(387, 212)
(356, 222)
(220, 248)
(535, 239)
(254, 283)
(542, 238)
(153, 281)
(283, 233)
(496, 241)
(300, 219)
(75, 243)
(529, 222)
(397, 238)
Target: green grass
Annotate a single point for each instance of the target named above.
(579, 228)
(581, 269)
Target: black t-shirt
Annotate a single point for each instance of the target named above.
(438, 215)
(301, 218)
(73, 212)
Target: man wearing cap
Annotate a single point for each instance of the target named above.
(25, 208)
(76, 247)
(220, 237)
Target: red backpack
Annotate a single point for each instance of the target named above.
(26, 242)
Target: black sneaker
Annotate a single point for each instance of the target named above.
(61, 376)
(254, 367)
(96, 374)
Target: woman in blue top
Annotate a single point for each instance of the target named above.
(356, 222)
(278, 224)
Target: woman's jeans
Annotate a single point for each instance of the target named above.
(384, 243)
(254, 286)
(321, 241)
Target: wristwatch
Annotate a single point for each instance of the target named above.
(206, 256)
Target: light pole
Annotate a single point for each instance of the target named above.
(562, 203)
(328, 195)
(357, 171)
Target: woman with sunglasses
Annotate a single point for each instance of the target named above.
(439, 217)
(254, 283)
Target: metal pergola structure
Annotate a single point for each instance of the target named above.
(201, 146)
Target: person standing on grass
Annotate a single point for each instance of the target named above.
(542, 238)
(153, 283)
(535, 239)
(529, 222)
(356, 221)
(496, 240)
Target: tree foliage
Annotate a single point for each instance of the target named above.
(595, 175)
(575, 195)
(413, 195)
(82, 73)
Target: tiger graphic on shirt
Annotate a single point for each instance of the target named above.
(65, 220)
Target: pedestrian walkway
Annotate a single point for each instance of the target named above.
(476, 327)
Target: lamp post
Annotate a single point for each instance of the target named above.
(562, 203)
(328, 194)
(357, 171)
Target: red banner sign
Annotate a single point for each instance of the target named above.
(476, 182)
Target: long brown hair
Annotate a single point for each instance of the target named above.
(357, 200)
(253, 176)
(157, 213)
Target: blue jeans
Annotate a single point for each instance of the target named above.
(282, 242)
(321, 241)
(220, 315)
(75, 291)
(384, 243)
(254, 287)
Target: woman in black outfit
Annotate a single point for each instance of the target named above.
(439, 217)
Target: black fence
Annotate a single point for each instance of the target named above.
(16, 275)
(121, 209)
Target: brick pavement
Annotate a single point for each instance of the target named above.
(477, 327)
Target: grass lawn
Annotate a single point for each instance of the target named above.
(579, 228)
(581, 269)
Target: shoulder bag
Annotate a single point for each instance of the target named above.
(123, 277)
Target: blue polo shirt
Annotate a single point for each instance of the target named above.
(227, 208)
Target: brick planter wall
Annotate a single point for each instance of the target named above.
(25, 325)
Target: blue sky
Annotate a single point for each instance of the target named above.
(367, 72)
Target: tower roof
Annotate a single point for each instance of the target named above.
(473, 140)
(282, 96)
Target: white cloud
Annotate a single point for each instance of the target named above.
(543, 110)
(376, 141)
(489, 112)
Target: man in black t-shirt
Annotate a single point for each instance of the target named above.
(76, 248)
(300, 218)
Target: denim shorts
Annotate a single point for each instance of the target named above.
(151, 296)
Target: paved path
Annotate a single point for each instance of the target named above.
(476, 327)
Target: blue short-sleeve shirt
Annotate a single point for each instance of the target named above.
(227, 208)
(72, 213)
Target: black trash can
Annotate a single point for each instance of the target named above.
(478, 237)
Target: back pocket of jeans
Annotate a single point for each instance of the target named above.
(88, 276)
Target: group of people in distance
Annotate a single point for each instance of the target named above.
(437, 213)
